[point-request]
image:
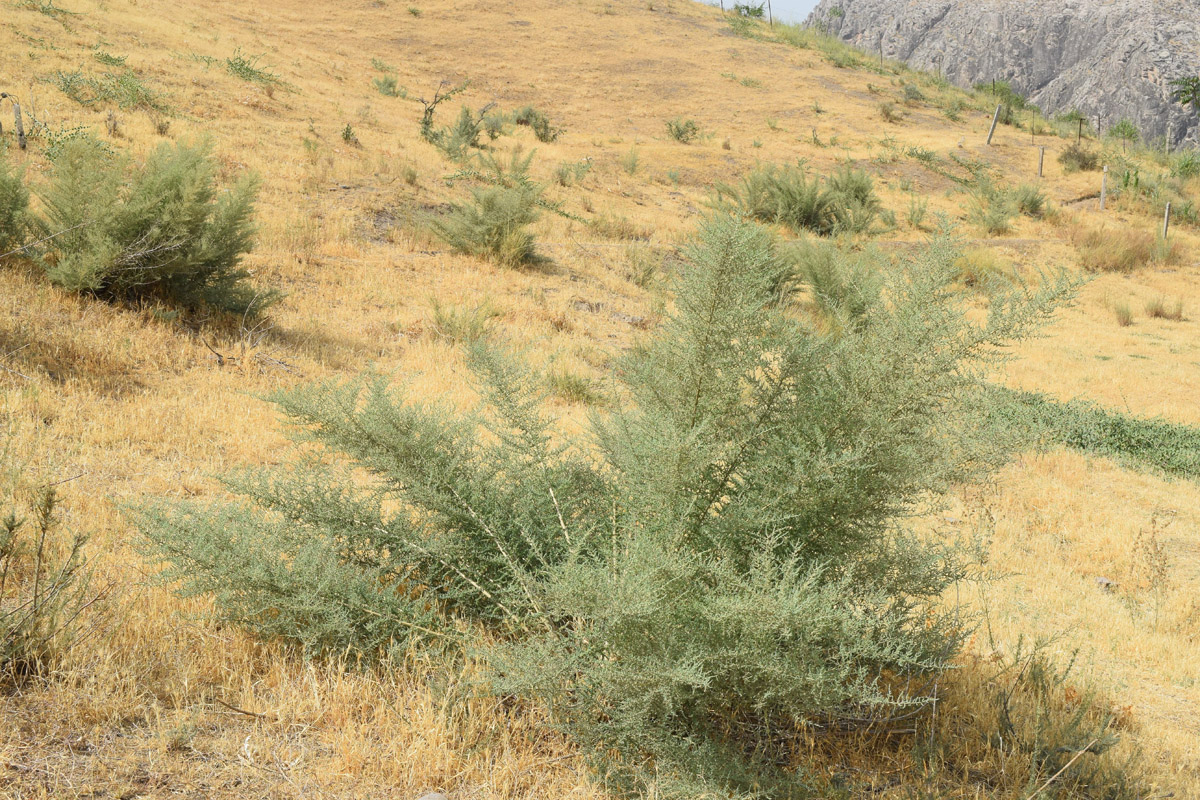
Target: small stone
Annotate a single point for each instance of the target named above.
(1107, 584)
(432, 796)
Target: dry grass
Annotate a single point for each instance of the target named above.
(1110, 249)
(134, 403)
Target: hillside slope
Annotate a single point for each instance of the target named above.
(1110, 61)
(117, 403)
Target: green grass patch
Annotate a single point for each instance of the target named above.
(1155, 444)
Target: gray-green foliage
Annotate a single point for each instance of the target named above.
(845, 202)
(159, 230)
(538, 122)
(719, 561)
(14, 207)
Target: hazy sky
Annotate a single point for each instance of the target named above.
(792, 9)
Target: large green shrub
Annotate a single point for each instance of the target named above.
(161, 230)
(718, 563)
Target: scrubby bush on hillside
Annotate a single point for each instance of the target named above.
(14, 207)
(846, 202)
(1104, 249)
(163, 230)
(538, 122)
(715, 566)
(1077, 158)
(683, 130)
(494, 225)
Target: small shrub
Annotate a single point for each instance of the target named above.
(349, 136)
(45, 587)
(890, 113)
(125, 89)
(1030, 200)
(749, 10)
(494, 226)
(683, 130)
(992, 208)
(917, 208)
(163, 231)
(494, 124)
(856, 205)
(1186, 164)
(784, 196)
(953, 110)
(538, 122)
(913, 95)
(629, 161)
(1158, 308)
(14, 207)
(1077, 158)
(388, 87)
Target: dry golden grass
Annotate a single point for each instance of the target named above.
(134, 403)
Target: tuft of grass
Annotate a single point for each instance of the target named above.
(461, 326)
(983, 268)
(1123, 313)
(1106, 249)
(682, 130)
(574, 388)
(616, 227)
(1159, 308)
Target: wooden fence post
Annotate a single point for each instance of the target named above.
(770, 16)
(1103, 187)
(16, 118)
(1079, 135)
(1041, 159)
(995, 119)
(1167, 221)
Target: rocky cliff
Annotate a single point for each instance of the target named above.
(1108, 58)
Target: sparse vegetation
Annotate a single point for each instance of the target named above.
(125, 89)
(890, 113)
(240, 65)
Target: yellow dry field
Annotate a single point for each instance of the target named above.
(124, 403)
